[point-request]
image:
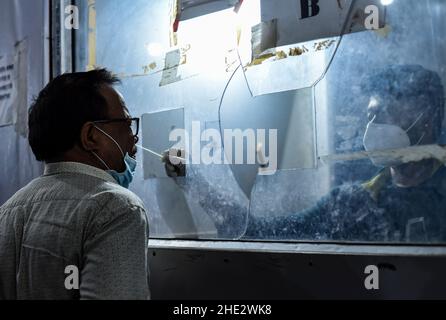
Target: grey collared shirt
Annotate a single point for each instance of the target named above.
(74, 216)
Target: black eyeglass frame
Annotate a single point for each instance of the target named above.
(121, 120)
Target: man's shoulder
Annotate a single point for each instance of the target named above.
(117, 204)
(115, 196)
(22, 196)
(75, 188)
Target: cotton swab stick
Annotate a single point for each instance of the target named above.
(159, 155)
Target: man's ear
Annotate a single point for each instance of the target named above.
(89, 137)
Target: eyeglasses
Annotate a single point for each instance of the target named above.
(133, 123)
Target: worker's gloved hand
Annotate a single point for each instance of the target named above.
(174, 163)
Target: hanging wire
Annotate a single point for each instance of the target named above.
(244, 73)
(344, 29)
(221, 129)
(221, 103)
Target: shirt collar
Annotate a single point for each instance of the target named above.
(76, 167)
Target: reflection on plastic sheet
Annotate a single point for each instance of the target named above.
(288, 191)
(214, 189)
(291, 73)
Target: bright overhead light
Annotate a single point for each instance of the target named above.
(155, 49)
(386, 2)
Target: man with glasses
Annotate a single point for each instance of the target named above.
(77, 232)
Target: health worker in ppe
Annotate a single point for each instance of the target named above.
(404, 202)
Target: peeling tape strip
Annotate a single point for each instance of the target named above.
(91, 35)
(405, 155)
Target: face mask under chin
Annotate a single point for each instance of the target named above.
(125, 178)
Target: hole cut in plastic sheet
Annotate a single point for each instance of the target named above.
(278, 74)
(156, 129)
(283, 124)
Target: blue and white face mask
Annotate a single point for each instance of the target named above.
(124, 178)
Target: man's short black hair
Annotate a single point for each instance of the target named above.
(68, 102)
(408, 82)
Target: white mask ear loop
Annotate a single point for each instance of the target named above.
(419, 141)
(415, 122)
(123, 155)
(99, 158)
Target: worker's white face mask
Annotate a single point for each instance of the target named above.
(379, 136)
